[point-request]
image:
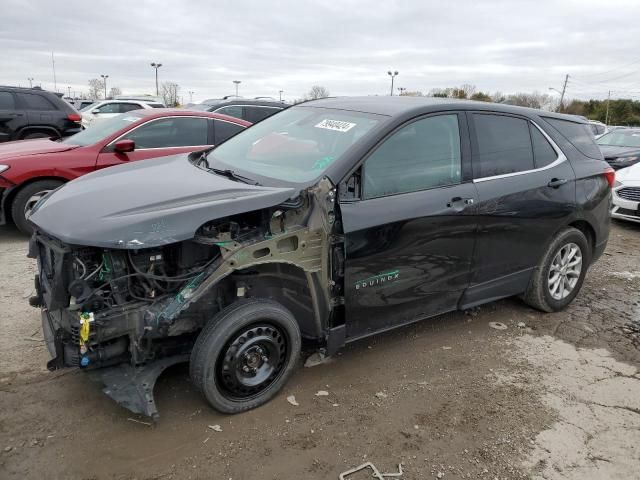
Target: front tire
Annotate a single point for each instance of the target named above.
(245, 354)
(25, 200)
(560, 274)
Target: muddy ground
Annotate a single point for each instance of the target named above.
(451, 397)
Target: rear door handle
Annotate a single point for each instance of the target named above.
(557, 182)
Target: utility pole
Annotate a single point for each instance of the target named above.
(564, 89)
(69, 90)
(281, 92)
(606, 117)
(53, 65)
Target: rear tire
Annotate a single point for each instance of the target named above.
(560, 273)
(26, 198)
(31, 135)
(245, 354)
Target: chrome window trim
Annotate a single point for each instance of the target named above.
(259, 106)
(155, 120)
(561, 158)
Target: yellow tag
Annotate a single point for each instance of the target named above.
(85, 328)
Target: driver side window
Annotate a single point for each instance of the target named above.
(421, 155)
(108, 108)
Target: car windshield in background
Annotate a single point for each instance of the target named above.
(101, 130)
(89, 107)
(620, 139)
(295, 145)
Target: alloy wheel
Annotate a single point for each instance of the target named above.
(565, 271)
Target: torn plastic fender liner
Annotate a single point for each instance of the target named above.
(132, 387)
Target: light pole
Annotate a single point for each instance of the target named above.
(104, 81)
(156, 66)
(191, 96)
(69, 90)
(401, 90)
(393, 75)
(30, 82)
(281, 92)
(237, 82)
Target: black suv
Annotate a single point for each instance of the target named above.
(252, 111)
(35, 113)
(331, 221)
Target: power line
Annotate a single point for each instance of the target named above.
(613, 69)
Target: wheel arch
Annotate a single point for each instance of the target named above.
(37, 128)
(587, 229)
(10, 196)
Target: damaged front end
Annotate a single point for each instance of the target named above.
(129, 312)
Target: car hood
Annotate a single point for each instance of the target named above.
(629, 174)
(37, 146)
(609, 151)
(147, 204)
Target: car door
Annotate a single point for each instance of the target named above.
(526, 191)
(12, 117)
(160, 137)
(106, 110)
(39, 110)
(409, 238)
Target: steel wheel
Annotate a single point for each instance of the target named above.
(252, 360)
(32, 200)
(565, 271)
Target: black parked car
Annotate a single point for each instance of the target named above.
(35, 113)
(252, 111)
(621, 147)
(330, 221)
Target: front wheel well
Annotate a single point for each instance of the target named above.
(8, 201)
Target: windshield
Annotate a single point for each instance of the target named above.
(620, 139)
(295, 145)
(102, 129)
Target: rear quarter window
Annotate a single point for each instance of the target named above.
(31, 101)
(579, 134)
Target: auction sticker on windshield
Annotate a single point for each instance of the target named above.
(337, 125)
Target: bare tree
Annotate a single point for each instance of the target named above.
(114, 91)
(96, 89)
(169, 93)
(317, 91)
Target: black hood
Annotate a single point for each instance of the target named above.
(146, 204)
(612, 151)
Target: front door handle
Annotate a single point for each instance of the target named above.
(457, 202)
(557, 182)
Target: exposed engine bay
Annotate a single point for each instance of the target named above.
(129, 313)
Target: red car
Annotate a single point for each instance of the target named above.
(29, 169)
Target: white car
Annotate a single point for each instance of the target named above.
(110, 108)
(626, 194)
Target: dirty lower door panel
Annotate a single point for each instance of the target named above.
(407, 256)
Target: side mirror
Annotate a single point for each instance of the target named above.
(124, 146)
(95, 111)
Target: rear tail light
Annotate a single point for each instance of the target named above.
(74, 117)
(610, 175)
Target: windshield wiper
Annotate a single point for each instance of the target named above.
(233, 175)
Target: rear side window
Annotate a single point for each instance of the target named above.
(542, 150)
(503, 145)
(225, 130)
(171, 132)
(424, 154)
(127, 107)
(6, 101)
(256, 114)
(35, 102)
(579, 134)
(232, 110)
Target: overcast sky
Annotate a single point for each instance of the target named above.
(345, 45)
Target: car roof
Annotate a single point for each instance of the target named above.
(125, 101)
(405, 105)
(244, 101)
(182, 112)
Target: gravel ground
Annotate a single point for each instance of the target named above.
(552, 396)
